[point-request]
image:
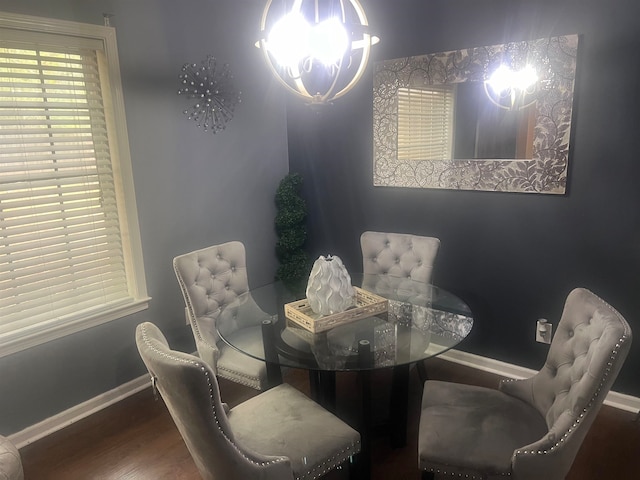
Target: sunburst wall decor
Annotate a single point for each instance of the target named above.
(210, 86)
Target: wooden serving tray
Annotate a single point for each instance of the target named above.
(367, 304)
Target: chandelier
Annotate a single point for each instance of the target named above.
(517, 77)
(512, 89)
(317, 49)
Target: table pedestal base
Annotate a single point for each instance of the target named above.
(323, 391)
(323, 388)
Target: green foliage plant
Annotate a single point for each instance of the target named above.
(292, 233)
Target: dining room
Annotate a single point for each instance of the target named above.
(512, 255)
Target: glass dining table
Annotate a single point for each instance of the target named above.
(418, 321)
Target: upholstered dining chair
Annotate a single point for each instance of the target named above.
(388, 259)
(279, 434)
(210, 280)
(10, 462)
(399, 255)
(532, 428)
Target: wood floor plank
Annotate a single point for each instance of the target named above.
(137, 439)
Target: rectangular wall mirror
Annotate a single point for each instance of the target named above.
(440, 122)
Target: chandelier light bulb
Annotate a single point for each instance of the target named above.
(328, 41)
(511, 89)
(288, 40)
(500, 79)
(504, 79)
(526, 78)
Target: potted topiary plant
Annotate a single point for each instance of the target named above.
(292, 233)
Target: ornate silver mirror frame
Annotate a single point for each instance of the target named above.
(545, 172)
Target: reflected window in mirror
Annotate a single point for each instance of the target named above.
(425, 122)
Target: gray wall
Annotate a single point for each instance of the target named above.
(513, 257)
(193, 189)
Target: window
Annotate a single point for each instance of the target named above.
(70, 254)
(425, 123)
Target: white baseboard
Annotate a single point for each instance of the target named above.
(78, 412)
(614, 399)
(83, 410)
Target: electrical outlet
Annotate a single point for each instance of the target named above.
(543, 331)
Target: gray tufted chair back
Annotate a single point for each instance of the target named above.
(580, 356)
(214, 282)
(399, 255)
(399, 266)
(209, 279)
(588, 349)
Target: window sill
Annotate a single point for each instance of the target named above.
(27, 337)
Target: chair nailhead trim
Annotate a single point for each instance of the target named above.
(612, 358)
(470, 476)
(330, 463)
(239, 377)
(324, 467)
(249, 381)
(213, 411)
(566, 434)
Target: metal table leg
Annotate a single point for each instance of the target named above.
(274, 374)
(322, 384)
(366, 420)
(399, 406)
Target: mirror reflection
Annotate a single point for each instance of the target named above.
(485, 130)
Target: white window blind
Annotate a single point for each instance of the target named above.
(425, 122)
(63, 252)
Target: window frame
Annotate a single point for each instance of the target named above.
(28, 336)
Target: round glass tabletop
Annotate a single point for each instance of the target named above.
(417, 321)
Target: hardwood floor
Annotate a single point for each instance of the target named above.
(136, 438)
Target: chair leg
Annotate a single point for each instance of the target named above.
(356, 469)
(422, 371)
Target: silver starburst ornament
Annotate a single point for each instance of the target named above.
(211, 88)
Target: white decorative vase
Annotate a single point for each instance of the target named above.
(329, 289)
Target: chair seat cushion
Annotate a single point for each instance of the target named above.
(283, 421)
(467, 429)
